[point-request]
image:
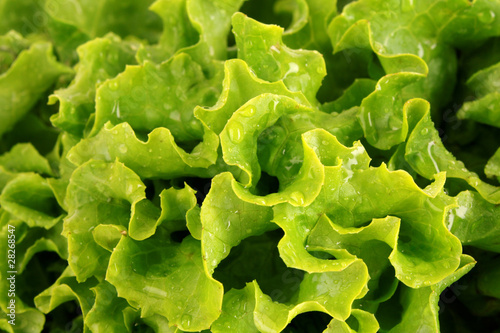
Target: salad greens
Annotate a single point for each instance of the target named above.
(250, 166)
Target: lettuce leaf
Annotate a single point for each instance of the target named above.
(250, 166)
(149, 272)
(272, 60)
(33, 72)
(95, 19)
(100, 59)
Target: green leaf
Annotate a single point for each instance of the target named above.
(23, 16)
(316, 292)
(365, 322)
(66, 289)
(178, 31)
(148, 158)
(485, 108)
(227, 219)
(108, 235)
(475, 221)
(29, 198)
(65, 36)
(278, 122)
(213, 28)
(382, 114)
(31, 241)
(479, 20)
(167, 279)
(181, 191)
(280, 147)
(187, 26)
(100, 59)
(98, 193)
(248, 123)
(32, 128)
(424, 301)
(427, 155)
(308, 179)
(360, 36)
(352, 96)
(176, 205)
(354, 194)
(319, 291)
(373, 244)
(58, 157)
(151, 96)
(308, 29)
(97, 18)
(239, 86)
(261, 46)
(31, 74)
(193, 222)
(485, 81)
(23, 157)
(27, 242)
(237, 311)
(492, 168)
(398, 31)
(109, 312)
(160, 324)
(11, 44)
(28, 320)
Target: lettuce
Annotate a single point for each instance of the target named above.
(250, 166)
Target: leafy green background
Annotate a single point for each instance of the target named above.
(251, 166)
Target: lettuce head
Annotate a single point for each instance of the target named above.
(250, 166)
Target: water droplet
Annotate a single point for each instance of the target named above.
(275, 48)
(113, 85)
(175, 115)
(424, 131)
(116, 109)
(379, 47)
(314, 173)
(486, 17)
(112, 57)
(292, 69)
(421, 52)
(325, 143)
(122, 148)
(297, 198)
(429, 146)
(248, 111)
(236, 133)
(186, 321)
